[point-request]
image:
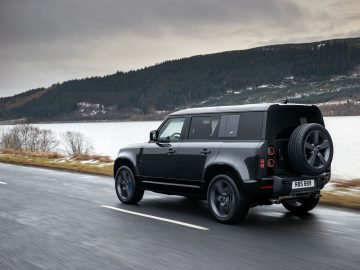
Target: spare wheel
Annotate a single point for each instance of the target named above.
(310, 149)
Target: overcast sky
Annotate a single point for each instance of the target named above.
(48, 41)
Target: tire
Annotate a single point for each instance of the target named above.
(310, 149)
(301, 206)
(229, 207)
(126, 187)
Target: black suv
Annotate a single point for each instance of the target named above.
(235, 157)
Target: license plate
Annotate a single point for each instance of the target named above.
(303, 184)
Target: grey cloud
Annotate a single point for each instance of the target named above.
(46, 41)
(41, 20)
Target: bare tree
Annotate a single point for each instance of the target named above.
(75, 143)
(29, 138)
(34, 139)
(47, 141)
(12, 139)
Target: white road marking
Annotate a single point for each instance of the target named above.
(3, 183)
(157, 218)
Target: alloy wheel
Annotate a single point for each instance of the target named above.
(125, 185)
(222, 198)
(317, 149)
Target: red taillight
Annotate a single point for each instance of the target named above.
(270, 163)
(271, 151)
(266, 187)
(271, 157)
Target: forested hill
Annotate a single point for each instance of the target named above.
(325, 72)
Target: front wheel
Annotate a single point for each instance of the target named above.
(303, 205)
(226, 202)
(126, 187)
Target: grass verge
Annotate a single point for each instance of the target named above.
(342, 193)
(92, 164)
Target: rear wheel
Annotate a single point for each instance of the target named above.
(226, 202)
(303, 205)
(126, 187)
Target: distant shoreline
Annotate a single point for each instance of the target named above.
(76, 122)
(112, 121)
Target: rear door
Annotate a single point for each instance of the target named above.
(280, 124)
(199, 147)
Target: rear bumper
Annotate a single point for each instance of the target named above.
(279, 186)
(283, 185)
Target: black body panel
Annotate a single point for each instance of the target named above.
(233, 140)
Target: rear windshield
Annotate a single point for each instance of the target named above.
(282, 121)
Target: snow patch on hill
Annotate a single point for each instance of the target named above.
(90, 109)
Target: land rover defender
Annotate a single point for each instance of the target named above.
(235, 157)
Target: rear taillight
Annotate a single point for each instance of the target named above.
(271, 151)
(271, 156)
(269, 161)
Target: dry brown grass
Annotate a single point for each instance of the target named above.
(54, 161)
(353, 183)
(343, 193)
(51, 155)
(341, 199)
(104, 159)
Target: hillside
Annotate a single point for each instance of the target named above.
(326, 72)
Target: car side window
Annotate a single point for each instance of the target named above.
(250, 125)
(204, 127)
(243, 126)
(232, 125)
(171, 130)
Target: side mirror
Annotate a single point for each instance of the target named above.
(154, 135)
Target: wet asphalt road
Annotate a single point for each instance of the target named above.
(54, 220)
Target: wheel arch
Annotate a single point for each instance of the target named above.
(123, 161)
(219, 168)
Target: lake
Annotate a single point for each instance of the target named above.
(109, 137)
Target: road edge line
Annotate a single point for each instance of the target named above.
(157, 218)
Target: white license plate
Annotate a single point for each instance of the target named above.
(303, 184)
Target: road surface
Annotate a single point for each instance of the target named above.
(59, 220)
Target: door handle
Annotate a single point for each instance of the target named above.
(171, 151)
(205, 151)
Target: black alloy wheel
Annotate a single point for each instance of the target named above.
(317, 149)
(226, 201)
(126, 187)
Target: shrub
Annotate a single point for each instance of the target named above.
(76, 144)
(29, 138)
